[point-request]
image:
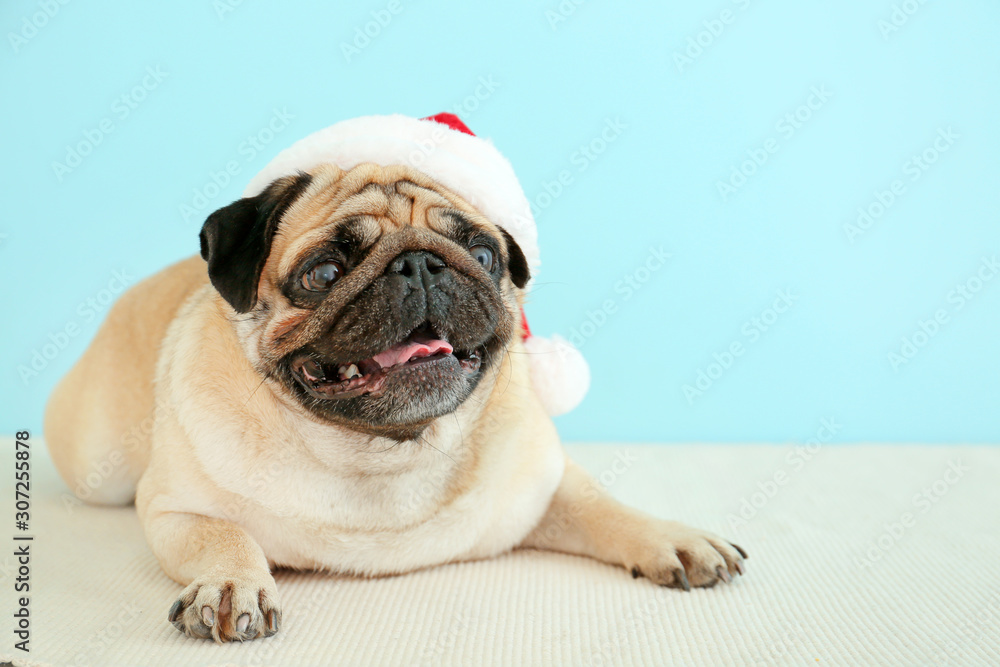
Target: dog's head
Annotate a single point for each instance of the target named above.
(374, 297)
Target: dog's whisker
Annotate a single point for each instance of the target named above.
(421, 440)
(261, 384)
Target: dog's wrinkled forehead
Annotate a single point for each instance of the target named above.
(252, 245)
(364, 204)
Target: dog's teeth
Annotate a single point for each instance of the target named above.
(313, 370)
(349, 372)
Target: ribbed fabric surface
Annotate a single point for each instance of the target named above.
(860, 555)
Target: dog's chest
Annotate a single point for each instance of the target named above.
(384, 489)
(372, 512)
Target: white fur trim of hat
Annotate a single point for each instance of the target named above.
(443, 148)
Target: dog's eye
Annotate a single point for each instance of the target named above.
(322, 276)
(483, 255)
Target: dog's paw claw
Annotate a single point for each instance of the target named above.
(739, 549)
(273, 622)
(681, 579)
(677, 556)
(175, 611)
(227, 608)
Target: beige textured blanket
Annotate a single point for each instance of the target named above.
(867, 555)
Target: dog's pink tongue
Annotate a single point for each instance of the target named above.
(414, 348)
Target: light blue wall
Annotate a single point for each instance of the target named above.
(882, 95)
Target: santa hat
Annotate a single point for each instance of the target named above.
(443, 148)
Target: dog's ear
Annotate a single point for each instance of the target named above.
(236, 239)
(516, 264)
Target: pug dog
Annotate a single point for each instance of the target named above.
(338, 384)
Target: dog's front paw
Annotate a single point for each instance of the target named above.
(672, 554)
(228, 607)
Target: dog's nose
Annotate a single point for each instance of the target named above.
(419, 267)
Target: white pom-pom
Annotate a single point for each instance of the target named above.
(559, 373)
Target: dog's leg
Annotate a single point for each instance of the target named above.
(584, 519)
(230, 592)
